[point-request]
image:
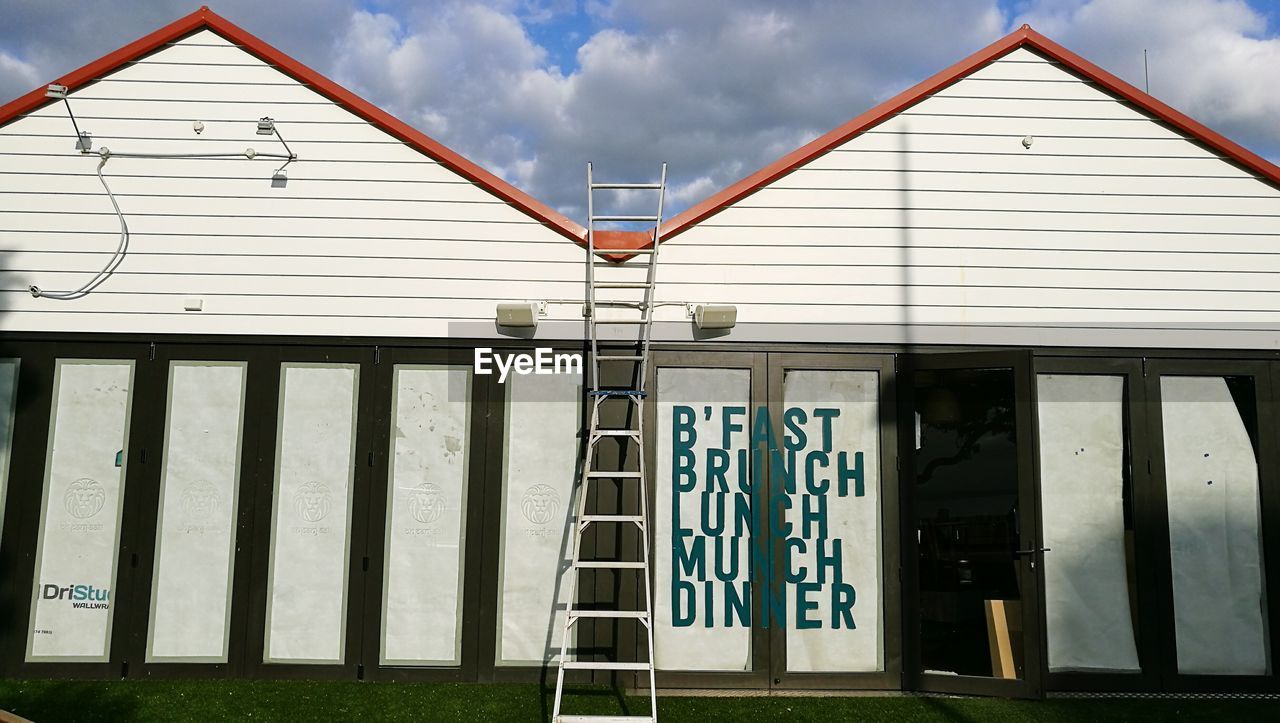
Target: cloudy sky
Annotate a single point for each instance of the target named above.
(532, 89)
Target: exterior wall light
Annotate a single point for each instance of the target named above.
(522, 315)
(715, 317)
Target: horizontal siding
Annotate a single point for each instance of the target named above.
(368, 236)
(938, 226)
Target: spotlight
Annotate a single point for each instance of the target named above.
(55, 91)
(266, 127)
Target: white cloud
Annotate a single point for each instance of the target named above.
(16, 77)
(715, 89)
(718, 89)
(1212, 59)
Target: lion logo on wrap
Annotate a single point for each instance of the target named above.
(312, 501)
(540, 503)
(200, 500)
(426, 503)
(84, 498)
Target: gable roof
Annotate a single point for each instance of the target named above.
(206, 19)
(1023, 37)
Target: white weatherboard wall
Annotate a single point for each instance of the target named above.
(368, 237)
(940, 216)
(934, 226)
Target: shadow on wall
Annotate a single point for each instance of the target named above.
(904, 234)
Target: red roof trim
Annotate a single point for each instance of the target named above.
(206, 18)
(1022, 37)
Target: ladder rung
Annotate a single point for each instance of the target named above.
(617, 433)
(622, 285)
(613, 475)
(588, 519)
(626, 304)
(608, 565)
(618, 321)
(601, 665)
(632, 186)
(619, 358)
(646, 250)
(619, 614)
(618, 393)
(603, 718)
(625, 218)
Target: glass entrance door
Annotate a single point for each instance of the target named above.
(971, 524)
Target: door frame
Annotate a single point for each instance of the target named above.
(914, 678)
(779, 363)
(1148, 634)
(475, 607)
(365, 451)
(33, 420)
(1265, 375)
(258, 385)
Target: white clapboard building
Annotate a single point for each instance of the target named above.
(995, 412)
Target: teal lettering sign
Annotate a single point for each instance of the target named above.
(706, 561)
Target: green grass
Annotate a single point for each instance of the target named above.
(175, 701)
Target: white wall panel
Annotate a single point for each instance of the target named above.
(1089, 615)
(697, 626)
(540, 464)
(853, 527)
(74, 597)
(425, 537)
(311, 514)
(196, 529)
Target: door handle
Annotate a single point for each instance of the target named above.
(1032, 551)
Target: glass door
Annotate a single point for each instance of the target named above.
(311, 514)
(712, 612)
(1213, 464)
(971, 540)
(833, 490)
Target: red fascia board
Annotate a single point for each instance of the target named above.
(206, 18)
(1022, 37)
(610, 240)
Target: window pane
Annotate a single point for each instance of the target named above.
(967, 509)
(544, 415)
(310, 539)
(1084, 491)
(702, 611)
(426, 503)
(196, 534)
(1211, 483)
(73, 601)
(850, 543)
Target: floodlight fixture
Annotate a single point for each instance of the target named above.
(712, 316)
(523, 315)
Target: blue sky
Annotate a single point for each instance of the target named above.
(532, 89)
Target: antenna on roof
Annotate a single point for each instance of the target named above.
(1146, 77)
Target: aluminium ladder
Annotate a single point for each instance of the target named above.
(631, 438)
